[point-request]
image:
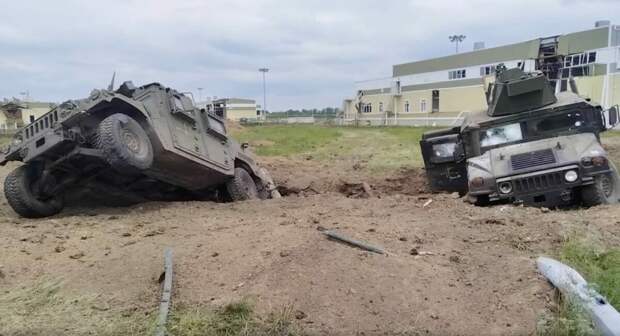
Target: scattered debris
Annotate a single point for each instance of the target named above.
(427, 203)
(356, 243)
(59, 249)
(77, 256)
(284, 254)
(164, 306)
(356, 190)
(154, 233)
(414, 251)
(300, 315)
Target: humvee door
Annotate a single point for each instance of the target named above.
(183, 126)
(444, 160)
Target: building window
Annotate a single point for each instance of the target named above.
(367, 108)
(578, 65)
(381, 107)
(487, 70)
(423, 105)
(435, 106)
(407, 106)
(456, 74)
(31, 119)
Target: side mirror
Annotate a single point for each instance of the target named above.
(613, 116)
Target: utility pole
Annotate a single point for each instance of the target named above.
(199, 95)
(457, 39)
(264, 71)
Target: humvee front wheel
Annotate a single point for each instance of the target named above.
(20, 191)
(242, 186)
(125, 145)
(602, 191)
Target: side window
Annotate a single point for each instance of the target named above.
(178, 103)
(181, 108)
(216, 126)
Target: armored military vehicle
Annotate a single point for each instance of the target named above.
(149, 140)
(530, 146)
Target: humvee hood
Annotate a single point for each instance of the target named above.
(565, 149)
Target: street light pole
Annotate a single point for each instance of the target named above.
(264, 71)
(199, 94)
(457, 39)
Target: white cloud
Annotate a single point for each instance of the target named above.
(316, 49)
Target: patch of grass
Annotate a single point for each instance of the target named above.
(41, 309)
(568, 320)
(235, 319)
(286, 140)
(5, 139)
(379, 148)
(599, 266)
(611, 134)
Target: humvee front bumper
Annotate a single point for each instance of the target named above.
(551, 187)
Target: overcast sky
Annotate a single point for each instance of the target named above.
(316, 50)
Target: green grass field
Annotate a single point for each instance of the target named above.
(382, 147)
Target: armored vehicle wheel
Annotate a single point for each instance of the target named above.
(242, 186)
(20, 190)
(125, 145)
(602, 191)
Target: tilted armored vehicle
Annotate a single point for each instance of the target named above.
(151, 141)
(531, 146)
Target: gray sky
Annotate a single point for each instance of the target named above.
(316, 50)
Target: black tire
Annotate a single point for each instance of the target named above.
(602, 191)
(18, 192)
(125, 145)
(242, 186)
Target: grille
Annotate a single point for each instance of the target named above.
(532, 159)
(539, 182)
(41, 124)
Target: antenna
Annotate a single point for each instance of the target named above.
(111, 86)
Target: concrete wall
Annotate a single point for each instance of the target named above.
(591, 87)
(615, 89)
(34, 112)
(238, 113)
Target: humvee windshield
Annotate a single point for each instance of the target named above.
(534, 129)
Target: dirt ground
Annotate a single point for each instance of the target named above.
(452, 268)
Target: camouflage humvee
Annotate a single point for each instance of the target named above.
(530, 146)
(150, 141)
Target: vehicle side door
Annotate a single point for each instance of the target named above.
(444, 160)
(216, 139)
(184, 127)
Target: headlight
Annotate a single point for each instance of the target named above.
(599, 160)
(505, 187)
(477, 182)
(571, 176)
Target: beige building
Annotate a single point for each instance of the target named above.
(236, 109)
(15, 113)
(441, 91)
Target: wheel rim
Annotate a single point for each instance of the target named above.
(607, 186)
